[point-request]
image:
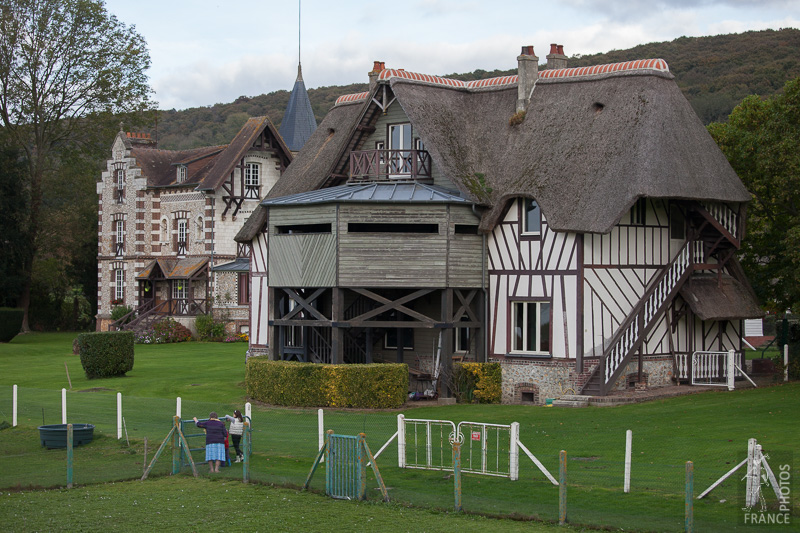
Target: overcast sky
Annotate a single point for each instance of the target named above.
(212, 51)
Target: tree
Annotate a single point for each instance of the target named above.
(65, 65)
(762, 142)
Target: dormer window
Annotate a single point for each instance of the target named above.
(182, 173)
(252, 180)
(532, 218)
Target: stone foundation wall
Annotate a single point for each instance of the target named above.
(534, 381)
(657, 371)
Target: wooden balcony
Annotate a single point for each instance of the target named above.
(390, 165)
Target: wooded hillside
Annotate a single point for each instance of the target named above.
(715, 74)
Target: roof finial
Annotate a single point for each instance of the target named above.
(121, 126)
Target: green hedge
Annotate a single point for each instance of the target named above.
(376, 386)
(106, 354)
(10, 323)
(478, 382)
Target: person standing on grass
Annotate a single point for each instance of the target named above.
(236, 430)
(215, 440)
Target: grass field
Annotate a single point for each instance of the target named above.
(711, 429)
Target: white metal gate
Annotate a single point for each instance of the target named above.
(489, 449)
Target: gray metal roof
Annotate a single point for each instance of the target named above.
(372, 192)
(240, 264)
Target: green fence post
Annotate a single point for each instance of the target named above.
(689, 511)
(562, 488)
(176, 446)
(362, 466)
(457, 474)
(246, 449)
(69, 456)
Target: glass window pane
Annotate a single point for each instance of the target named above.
(519, 322)
(533, 345)
(544, 328)
(533, 217)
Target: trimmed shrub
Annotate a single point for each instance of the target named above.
(10, 323)
(375, 386)
(106, 354)
(119, 311)
(478, 382)
(209, 328)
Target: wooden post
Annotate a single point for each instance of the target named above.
(362, 466)
(446, 360)
(119, 415)
(689, 505)
(176, 448)
(144, 463)
(785, 363)
(562, 488)
(457, 475)
(628, 446)
(246, 449)
(69, 455)
(337, 334)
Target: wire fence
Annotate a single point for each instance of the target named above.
(285, 443)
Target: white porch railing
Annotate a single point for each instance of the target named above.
(642, 317)
(727, 217)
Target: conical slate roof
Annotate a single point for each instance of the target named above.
(298, 122)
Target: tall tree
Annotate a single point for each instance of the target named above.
(762, 142)
(64, 66)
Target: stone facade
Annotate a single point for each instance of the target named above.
(533, 381)
(143, 210)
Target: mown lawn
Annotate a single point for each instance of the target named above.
(186, 504)
(711, 429)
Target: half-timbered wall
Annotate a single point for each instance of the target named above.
(532, 268)
(259, 301)
(618, 267)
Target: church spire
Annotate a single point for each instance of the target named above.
(298, 121)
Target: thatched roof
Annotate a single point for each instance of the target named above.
(727, 299)
(587, 149)
(314, 163)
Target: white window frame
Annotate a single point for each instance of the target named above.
(462, 340)
(252, 174)
(180, 289)
(526, 230)
(119, 239)
(183, 234)
(182, 174)
(520, 338)
(119, 285)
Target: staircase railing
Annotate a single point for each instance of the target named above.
(726, 217)
(629, 336)
(135, 317)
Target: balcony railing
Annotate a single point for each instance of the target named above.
(374, 165)
(252, 192)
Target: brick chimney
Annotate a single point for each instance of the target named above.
(528, 70)
(556, 58)
(377, 67)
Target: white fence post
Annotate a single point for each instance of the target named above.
(178, 408)
(320, 430)
(731, 369)
(628, 448)
(14, 410)
(248, 411)
(401, 441)
(513, 451)
(119, 415)
(786, 362)
(63, 406)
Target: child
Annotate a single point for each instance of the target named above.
(236, 430)
(215, 440)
